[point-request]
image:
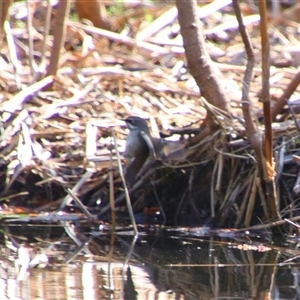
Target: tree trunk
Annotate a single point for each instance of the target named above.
(200, 65)
(95, 12)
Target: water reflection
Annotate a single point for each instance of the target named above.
(63, 262)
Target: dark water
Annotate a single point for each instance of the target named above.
(64, 262)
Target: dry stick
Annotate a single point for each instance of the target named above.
(58, 36)
(30, 31)
(91, 140)
(17, 171)
(82, 247)
(161, 209)
(270, 191)
(127, 197)
(246, 198)
(48, 169)
(212, 194)
(229, 25)
(220, 172)
(206, 139)
(246, 107)
(17, 195)
(296, 187)
(119, 38)
(228, 154)
(292, 223)
(279, 160)
(263, 199)
(269, 225)
(170, 16)
(24, 154)
(111, 191)
(158, 24)
(6, 139)
(54, 108)
(189, 189)
(216, 112)
(252, 132)
(179, 207)
(251, 199)
(233, 180)
(43, 62)
(217, 265)
(294, 117)
(80, 205)
(17, 100)
(290, 198)
(290, 89)
(265, 94)
(12, 53)
(75, 236)
(136, 186)
(291, 215)
(77, 186)
(221, 217)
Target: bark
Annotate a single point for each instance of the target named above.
(283, 100)
(95, 12)
(200, 65)
(269, 175)
(58, 36)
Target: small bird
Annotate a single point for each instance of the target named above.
(140, 145)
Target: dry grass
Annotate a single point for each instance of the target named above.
(50, 140)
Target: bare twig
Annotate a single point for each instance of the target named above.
(283, 99)
(67, 200)
(43, 62)
(269, 173)
(59, 36)
(16, 101)
(13, 53)
(127, 197)
(30, 32)
(80, 205)
(111, 191)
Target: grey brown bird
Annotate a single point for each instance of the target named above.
(140, 145)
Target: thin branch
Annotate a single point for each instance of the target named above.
(290, 89)
(127, 197)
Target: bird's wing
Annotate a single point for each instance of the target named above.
(133, 168)
(174, 150)
(150, 145)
